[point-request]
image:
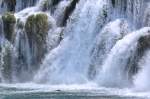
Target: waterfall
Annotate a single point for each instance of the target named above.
(105, 42)
(146, 19)
(24, 56)
(131, 9)
(120, 57)
(141, 80)
(73, 52)
(15, 5)
(106, 39)
(59, 13)
(21, 4)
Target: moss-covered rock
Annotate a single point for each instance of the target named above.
(9, 22)
(37, 28)
(37, 25)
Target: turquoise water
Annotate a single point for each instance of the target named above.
(22, 92)
(61, 95)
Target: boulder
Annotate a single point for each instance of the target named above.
(9, 22)
(37, 27)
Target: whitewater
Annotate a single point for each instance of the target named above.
(77, 47)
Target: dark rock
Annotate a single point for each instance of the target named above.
(113, 2)
(55, 2)
(19, 24)
(143, 46)
(10, 5)
(68, 11)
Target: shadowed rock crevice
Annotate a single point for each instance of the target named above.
(10, 4)
(68, 11)
(143, 46)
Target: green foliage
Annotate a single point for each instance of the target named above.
(9, 21)
(37, 28)
(9, 18)
(37, 25)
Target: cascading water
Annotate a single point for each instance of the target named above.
(74, 51)
(142, 79)
(75, 42)
(119, 60)
(105, 41)
(21, 4)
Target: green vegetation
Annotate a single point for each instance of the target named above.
(9, 22)
(37, 25)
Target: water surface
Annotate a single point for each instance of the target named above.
(23, 91)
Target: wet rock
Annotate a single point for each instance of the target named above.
(36, 28)
(49, 4)
(113, 2)
(46, 5)
(68, 11)
(143, 46)
(55, 2)
(19, 24)
(10, 5)
(9, 22)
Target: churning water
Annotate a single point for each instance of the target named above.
(74, 49)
